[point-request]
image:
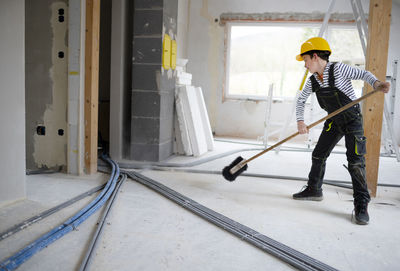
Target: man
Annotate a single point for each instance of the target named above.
(332, 84)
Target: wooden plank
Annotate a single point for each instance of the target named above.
(376, 62)
(91, 83)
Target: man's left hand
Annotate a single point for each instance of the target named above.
(382, 86)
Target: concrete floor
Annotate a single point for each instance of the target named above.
(146, 231)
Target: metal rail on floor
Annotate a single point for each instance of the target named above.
(279, 250)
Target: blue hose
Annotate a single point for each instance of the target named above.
(24, 254)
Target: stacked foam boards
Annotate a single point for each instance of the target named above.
(193, 135)
(204, 119)
(193, 123)
(182, 141)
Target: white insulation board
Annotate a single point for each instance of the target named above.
(182, 123)
(178, 145)
(204, 119)
(192, 116)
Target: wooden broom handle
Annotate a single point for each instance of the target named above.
(334, 113)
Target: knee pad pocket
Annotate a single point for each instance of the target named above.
(360, 145)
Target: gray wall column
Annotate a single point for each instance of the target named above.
(152, 86)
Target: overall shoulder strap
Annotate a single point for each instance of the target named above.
(331, 75)
(314, 84)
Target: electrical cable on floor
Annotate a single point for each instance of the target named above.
(338, 183)
(85, 265)
(28, 222)
(24, 254)
(188, 164)
(158, 165)
(294, 149)
(43, 171)
(281, 251)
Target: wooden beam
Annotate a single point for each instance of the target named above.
(91, 83)
(376, 62)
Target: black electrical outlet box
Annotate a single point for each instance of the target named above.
(41, 130)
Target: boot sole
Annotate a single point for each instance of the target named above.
(310, 198)
(360, 222)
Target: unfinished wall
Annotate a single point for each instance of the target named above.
(206, 60)
(183, 28)
(46, 83)
(12, 100)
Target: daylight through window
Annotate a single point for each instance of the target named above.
(261, 54)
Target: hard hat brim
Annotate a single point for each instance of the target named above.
(299, 58)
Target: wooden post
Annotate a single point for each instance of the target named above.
(91, 83)
(376, 62)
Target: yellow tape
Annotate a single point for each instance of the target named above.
(173, 54)
(166, 56)
(73, 73)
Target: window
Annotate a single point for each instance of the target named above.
(261, 54)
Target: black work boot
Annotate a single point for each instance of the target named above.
(309, 193)
(361, 212)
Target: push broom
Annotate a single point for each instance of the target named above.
(240, 164)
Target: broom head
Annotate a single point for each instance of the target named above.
(231, 176)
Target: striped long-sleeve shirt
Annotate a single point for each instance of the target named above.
(343, 75)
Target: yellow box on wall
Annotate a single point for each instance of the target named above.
(173, 54)
(166, 56)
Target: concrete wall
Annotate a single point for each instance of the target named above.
(46, 83)
(12, 100)
(206, 60)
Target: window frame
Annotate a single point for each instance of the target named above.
(227, 49)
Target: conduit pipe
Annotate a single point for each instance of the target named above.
(87, 260)
(275, 248)
(188, 164)
(26, 253)
(28, 222)
(293, 149)
(338, 183)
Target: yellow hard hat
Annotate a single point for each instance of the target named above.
(316, 43)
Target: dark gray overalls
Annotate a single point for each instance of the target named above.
(349, 124)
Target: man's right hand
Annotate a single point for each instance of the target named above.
(302, 127)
